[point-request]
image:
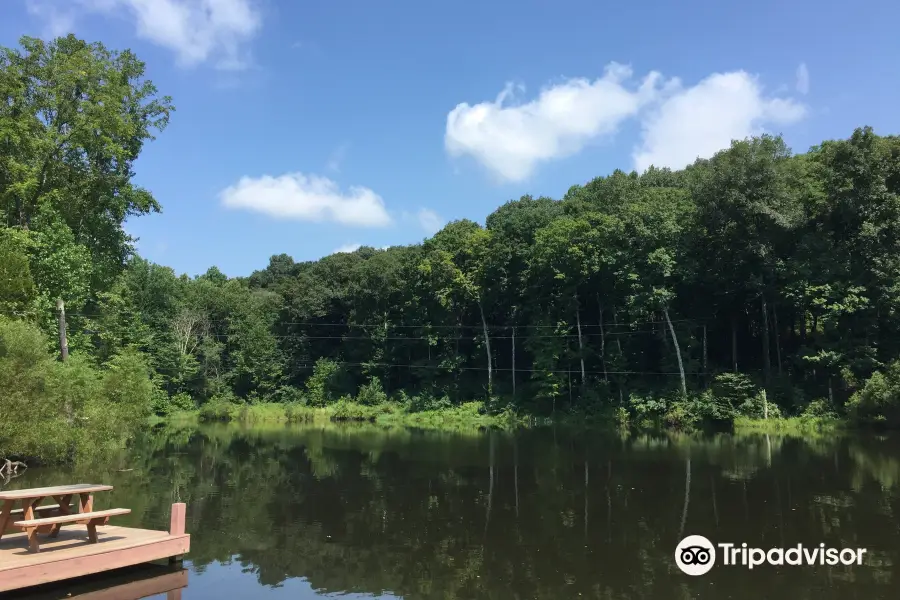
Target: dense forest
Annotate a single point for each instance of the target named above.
(664, 293)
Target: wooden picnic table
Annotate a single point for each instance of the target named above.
(30, 499)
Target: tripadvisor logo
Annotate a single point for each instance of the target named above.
(696, 555)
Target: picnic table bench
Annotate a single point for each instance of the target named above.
(50, 518)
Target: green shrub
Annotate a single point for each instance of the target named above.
(221, 407)
(819, 409)
(734, 388)
(428, 402)
(182, 402)
(878, 401)
(372, 394)
(289, 395)
(71, 409)
(347, 410)
(322, 384)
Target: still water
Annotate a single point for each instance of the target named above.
(308, 512)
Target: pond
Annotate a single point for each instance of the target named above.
(304, 512)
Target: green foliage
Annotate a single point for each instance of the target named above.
(163, 404)
(17, 289)
(59, 410)
(426, 401)
(879, 399)
(321, 386)
(616, 302)
(735, 388)
(219, 408)
(372, 394)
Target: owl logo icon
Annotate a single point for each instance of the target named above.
(695, 555)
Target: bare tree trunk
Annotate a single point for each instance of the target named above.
(767, 361)
(621, 354)
(63, 340)
(580, 339)
(734, 343)
(63, 355)
(602, 340)
(618, 337)
(777, 337)
(514, 362)
(487, 345)
(677, 352)
(704, 355)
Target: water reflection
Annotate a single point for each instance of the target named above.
(300, 512)
(151, 581)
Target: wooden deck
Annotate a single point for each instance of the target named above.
(70, 555)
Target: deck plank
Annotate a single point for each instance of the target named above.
(70, 555)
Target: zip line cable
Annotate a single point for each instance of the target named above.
(429, 326)
(507, 369)
(301, 336)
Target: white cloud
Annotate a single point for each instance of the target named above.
(430, 221)
(701, 120)
(347, 248)
(803, 79)
(310, 198)
(196, 30)
(511, 140)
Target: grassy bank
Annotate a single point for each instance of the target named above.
(791, 425)
(466, 416)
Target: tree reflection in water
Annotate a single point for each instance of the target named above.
(431, 515)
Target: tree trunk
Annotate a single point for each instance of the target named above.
(734, 343)
(63, 355)
(618, 337)
(514, 362)
(767, 361)
(704, 355)
(777, 337)
(580, 340)
(621, 354)
(487, 346)
(602, 340)
(63, 340)
(677, 352)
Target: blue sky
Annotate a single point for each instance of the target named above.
(307, 127)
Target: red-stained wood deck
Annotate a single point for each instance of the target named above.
(70, 555)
